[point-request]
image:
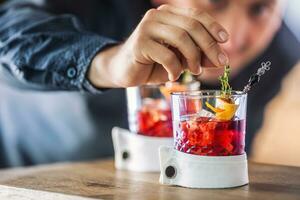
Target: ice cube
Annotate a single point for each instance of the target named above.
(205, 113)
(196, 116)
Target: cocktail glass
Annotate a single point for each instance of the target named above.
(149, 108)
(209, 123)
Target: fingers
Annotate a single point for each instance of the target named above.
(160, 54)
(179, 39)
(207, 63)
(172, 39)
(211, 25)
(203, 29)
(158, 75)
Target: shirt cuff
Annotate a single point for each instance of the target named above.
(74, 76)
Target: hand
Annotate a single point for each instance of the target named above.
(167, 41)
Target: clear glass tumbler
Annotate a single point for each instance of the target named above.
(149, 108)
(209, 123)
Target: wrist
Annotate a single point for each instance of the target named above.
(100, 71)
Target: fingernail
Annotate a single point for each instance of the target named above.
(223, 35)
(222, 59)
(199, 70)
(171, 77)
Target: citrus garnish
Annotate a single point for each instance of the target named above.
(226, 107)
(225, 111)
(216, 110)
(229, 110)
(170, 87)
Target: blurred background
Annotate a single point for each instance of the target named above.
(292, 17)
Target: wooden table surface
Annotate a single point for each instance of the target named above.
(100, 180)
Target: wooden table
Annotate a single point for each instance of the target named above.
(101, 181)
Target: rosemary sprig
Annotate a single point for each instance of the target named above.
(224, 79)
(187, 77)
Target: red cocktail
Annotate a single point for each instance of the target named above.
(210, 137)
(149, 108)
(215, 128)
(155, 118)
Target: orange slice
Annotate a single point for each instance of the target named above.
(225, 111)
(172, 87)
(216, 110)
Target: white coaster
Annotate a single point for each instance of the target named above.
(135, 152)
(193, 171)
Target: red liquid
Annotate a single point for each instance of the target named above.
(210, 137)
(155, 120)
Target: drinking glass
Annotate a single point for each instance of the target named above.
(209, 123)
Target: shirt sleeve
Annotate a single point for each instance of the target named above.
(43, 51)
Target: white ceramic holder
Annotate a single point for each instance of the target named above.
(193, 171)
(135, 152)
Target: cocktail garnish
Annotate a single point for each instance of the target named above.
(225, 111)
(187, 77)
(224, 79)
(170, 87)
(226, 108)
(216, 110)
(255, 78)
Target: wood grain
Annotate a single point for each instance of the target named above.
(13, 193)
(100, 180)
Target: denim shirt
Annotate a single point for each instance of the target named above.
(48, 46)
(43, 51)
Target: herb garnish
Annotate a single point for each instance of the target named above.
(224, 79)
